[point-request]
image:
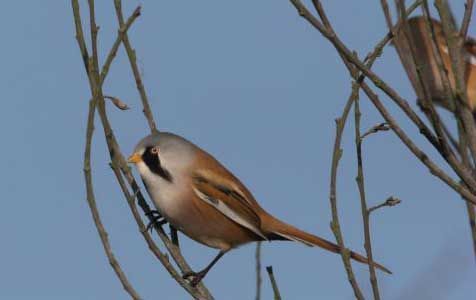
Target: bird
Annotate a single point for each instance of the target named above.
(201, 198)
(421, 40)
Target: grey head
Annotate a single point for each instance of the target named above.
(164, 153)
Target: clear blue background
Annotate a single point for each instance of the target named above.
(255, 85)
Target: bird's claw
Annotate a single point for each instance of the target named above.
(153, 213)
(156, 219)
(195, 277)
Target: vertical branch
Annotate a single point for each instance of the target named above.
(88, 64)
(388, 16)
(455, 47)
(472, 223)
(363, 203)
(274, 284)
(117, 43)
(427, 105)
(258, 270)
(470, 208)
(443, 73)
(335, 224)
(95, 212)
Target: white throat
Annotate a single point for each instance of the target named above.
(166, 195)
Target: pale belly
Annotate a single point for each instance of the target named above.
(173, 202)
(182, 217)
(170, 204)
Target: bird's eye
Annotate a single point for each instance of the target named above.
(154, 150)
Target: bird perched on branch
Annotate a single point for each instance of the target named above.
(420, 40)
(205, 201)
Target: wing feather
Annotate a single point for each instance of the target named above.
(226, 197)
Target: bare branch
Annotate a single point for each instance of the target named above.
(117, 43)
(388, 16)
(468, 10)
(277, 295)
(93, 207)
(363, 202)
(426, 103)
(470, 208)
(335, 224)
(455, 47)
(88, 63)
(258, 270)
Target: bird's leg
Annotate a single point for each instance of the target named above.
(197, 277)
(174, 235)
(155, 219)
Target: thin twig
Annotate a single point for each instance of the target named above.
(451, 138)
(388, 16)
(258, 270)
(455, 48)
(468, 10)
(363, 203)
(442, 71)
(335, 224)
(470, 208)
(427, 104)
(391, 201)
(112, 53)
(131, 54)
(374, 129)
(277, 295)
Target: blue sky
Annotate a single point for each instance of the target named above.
(255, 85)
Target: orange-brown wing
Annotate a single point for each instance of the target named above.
(225, 196)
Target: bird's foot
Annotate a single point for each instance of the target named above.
(153, 213)
(156, 219)
(194, 277)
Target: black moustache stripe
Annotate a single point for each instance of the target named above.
(152, 161)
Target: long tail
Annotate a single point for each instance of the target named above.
(282, 231)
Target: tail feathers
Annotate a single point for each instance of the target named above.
(288, 232)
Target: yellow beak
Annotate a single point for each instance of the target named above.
(134, 158)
